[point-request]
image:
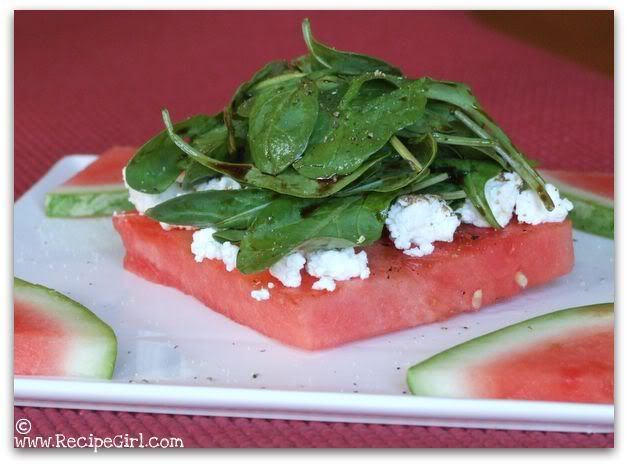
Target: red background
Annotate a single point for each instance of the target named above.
(88, 80)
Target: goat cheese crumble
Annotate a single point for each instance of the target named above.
(260, 295)
(415, 222)
(288, 269)
(204, 246)
(336, 265)
(501, 193)
(530, 209)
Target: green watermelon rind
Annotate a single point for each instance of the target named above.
(80, 318)
(592, 212)
(87, 201)
(441, 375)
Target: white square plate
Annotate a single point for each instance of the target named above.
(176, 356)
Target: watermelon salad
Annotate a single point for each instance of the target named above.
(335, 199)
(56, 336)
(566, 355)
(97, 190)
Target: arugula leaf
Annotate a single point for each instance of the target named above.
(343, 62)
(290, 223)
(288, 182)
(224, 209)
(156, 165)
(475, 174)
(477, 120)
(268, 71)
(358, 131)
(280, 125)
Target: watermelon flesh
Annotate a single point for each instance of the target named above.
(592, 196)
(481, 266)
(97, 190)
(56, 336)
(562, 356)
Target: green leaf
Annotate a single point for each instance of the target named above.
(288, 182)
(358, 131)
(477, 120)
(269, 71)
(395, 173)
(233, 236)
(290, 223)
(280, 125)
(155, 166)
(225, 209)
(475, 174)
(344, 62)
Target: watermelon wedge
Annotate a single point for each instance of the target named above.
(592, 196)
(56, 336)
(562, 356)
(481, 266)
(97, 190)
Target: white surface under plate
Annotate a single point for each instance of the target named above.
(176, 356)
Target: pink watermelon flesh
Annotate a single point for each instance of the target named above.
(97, 190)
(562, 356)
(402, 291)
(56, 336)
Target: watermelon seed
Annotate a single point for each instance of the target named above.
(476, 300)
(521, 279)
(255, 376)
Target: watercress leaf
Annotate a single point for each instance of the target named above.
(280, 125)
(290, 223)
(343, 62)
(156, 165)
(358, 131)
(225, 209)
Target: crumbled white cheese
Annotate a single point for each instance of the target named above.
(530, 209)
(260, 295)
(324, 283)
(501, 193)
(419, 221)
(204, 246)
(143, 201)
(336, 265)
(288, 269)
(222, 183)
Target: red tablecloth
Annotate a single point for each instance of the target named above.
(87, 80)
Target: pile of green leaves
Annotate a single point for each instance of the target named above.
(323, 145)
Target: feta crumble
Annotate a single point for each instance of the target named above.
(288, 269)
(530, 208)
(223, 183)
(501, 193)
(336, 265)
(204, 246)
(419, 221)
(143, 201)
(260, 295)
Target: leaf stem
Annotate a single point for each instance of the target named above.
(405, 153)
(276, 80)
(453, 195)
(463, 141)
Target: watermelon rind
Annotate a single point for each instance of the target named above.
(592, 212)
(87, 201)
(94, 343)
(442, 375)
